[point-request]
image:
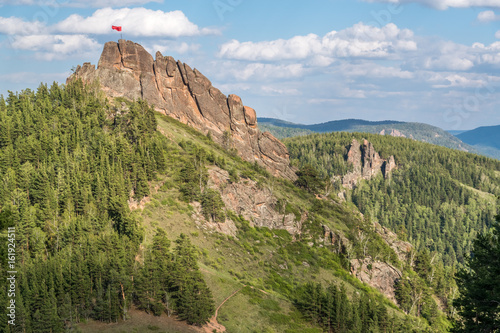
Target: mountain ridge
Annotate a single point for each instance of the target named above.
(417, 131)
(484, 138)
(126, 69)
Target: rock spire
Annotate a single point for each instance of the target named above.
(126, 69)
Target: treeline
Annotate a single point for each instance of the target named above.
(331, 309)
(69, 163)
(432, 199)
(98, 278)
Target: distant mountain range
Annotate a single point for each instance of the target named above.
(484, 140)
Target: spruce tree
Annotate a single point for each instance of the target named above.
(479, 285)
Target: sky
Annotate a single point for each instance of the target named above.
(430, 61)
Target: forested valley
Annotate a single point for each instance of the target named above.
(438, 199)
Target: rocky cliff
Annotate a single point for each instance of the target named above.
(380, 275)
(366, 162)
(126, 69)
(255, 203)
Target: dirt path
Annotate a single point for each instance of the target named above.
(213, 324)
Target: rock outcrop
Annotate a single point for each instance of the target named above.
(255, 204)
(366, 162)
(379, 275)
(402, 248)
(127, 70)
(392, 132)
(337, 240)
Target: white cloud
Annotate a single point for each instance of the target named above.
(52, 47)
(78, 3)
(265, 71)
(373, 70)
(334, 101)
(71, 36)
(17, 26)
(274, 90)
(445, 4)
(169, 46)
(134, 21)
(487, 16)
(449, 56)
(357, 41)
(236, 71)
(456, 80)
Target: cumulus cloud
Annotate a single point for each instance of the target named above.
(445, 4)
(487, 16)
(373, 70)
(17, 26)
(53, 47)
(449, 56)
(359, 40)
(78, 3)
(274, 91)
(257, 71)
(135, 22)
(453, 80)
(72, 34)
(169, 46)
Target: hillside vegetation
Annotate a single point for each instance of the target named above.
(113, 212)
(437, 198)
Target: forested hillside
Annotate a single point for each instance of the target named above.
(68, 166)
(437, 198)
(116, 208)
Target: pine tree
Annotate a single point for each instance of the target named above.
(193, 299)
(479, 285)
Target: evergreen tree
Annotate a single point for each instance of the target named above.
(479, 285)
(309, 179)
(212, 205)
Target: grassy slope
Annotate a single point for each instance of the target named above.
(253, 258)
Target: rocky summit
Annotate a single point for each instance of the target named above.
(126, 69)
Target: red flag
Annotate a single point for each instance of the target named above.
(117, 28)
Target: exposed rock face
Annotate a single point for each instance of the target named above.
(227, 227)
(336, 239)
(393, 132)
(126, 69)
(401, 248)
(367, 163)
(255, 204)
(377, 274)
(388, 166)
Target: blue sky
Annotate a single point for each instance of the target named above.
(432, 61)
